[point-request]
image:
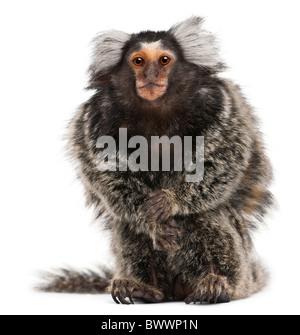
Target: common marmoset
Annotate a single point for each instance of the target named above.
(172, 239)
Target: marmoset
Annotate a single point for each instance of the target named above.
(172, 240)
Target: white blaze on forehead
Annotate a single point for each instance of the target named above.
(151, 45)
(152, 48)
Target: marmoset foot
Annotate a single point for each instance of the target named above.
(123, 289)
(211, 289)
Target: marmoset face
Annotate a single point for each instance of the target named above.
(151, 65)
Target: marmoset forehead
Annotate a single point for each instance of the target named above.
(155, 40)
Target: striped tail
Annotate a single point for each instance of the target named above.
(73, 281)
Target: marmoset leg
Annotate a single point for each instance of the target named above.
(214, 260)
(140, 270)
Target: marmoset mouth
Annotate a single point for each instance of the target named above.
(151, 85)
(151, 91)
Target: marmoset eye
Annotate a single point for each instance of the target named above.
(138, 61)
(165, 60)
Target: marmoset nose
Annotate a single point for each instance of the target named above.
(151, 72)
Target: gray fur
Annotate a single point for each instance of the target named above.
(107, 51)
(199, 46)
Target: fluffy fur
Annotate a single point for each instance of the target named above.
(173, 240)
(107, 51)
(200, 47)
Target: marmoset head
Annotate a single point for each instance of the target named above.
(150, 65)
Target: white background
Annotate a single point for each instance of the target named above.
(44, 224)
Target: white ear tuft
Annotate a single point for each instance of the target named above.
(107, 51)
(199, 46)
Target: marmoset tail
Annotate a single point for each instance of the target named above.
(173, 239)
